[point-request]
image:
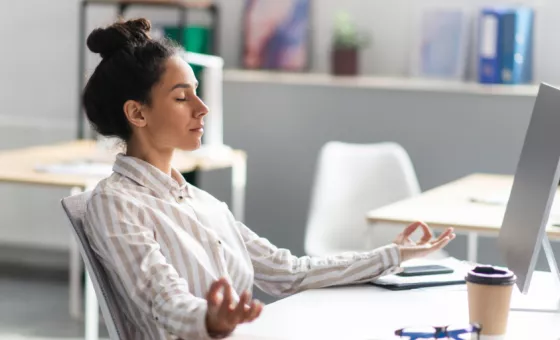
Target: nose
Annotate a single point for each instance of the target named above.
(201, 109)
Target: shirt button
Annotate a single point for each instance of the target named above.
(219, 242)
(180, 199)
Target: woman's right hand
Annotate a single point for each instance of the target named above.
(224, 314)
(426, 245)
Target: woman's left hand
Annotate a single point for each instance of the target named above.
(426, 245)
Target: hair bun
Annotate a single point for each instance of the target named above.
(106, 41)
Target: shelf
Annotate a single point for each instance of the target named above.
(375, 82)
(174, 3)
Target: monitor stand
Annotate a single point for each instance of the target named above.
(537, 299)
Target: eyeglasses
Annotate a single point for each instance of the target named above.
(453, 332)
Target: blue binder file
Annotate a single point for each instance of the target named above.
(506, 53)
(505, 49)
(523, 51)
(489, 45)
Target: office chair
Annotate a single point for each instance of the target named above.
(352, 179)
(75, 207)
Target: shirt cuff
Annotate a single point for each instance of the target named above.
(201, 321)
(203, 330)
(391, 259)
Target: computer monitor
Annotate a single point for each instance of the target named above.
(534, 187)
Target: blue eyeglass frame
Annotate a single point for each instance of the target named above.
(440, 333)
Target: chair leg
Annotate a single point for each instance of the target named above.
(91, 312)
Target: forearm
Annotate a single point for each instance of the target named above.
(284, 274)
(182, 315)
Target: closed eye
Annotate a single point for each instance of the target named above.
(182, 99)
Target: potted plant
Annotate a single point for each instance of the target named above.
(346, 45)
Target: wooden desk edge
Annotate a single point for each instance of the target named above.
(482, 229)
(58, 180)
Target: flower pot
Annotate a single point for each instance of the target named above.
(344, 61)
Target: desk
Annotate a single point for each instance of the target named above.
(368, 312)
(450, 205)
(20, 166)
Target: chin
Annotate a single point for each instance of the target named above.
(195, 145)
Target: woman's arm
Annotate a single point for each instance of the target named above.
(121, 235)
(280, 273)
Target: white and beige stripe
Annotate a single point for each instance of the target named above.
(164, 241)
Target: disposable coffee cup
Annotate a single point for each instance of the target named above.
(489, 290)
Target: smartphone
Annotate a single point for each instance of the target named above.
(425, 270)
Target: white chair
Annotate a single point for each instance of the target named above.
(75, 207)
(352, 179)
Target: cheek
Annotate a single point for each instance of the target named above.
(172, 116)
(180, 115)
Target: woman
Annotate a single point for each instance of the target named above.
(181, 265)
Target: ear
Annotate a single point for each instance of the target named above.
(134, 113)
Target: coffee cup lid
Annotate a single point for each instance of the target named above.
(490, 275)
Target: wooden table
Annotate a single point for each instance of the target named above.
(27, 166)
(465, 204)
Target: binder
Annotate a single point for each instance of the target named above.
(440, 49)
(505, 45)
(523, 51)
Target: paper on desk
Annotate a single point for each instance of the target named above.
(83, 167)
(460, 269)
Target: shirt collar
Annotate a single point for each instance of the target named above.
(148, 175)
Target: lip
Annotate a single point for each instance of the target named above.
(198, 129)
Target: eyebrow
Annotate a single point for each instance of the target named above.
(183, 86)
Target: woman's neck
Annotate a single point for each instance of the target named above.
(160, 158)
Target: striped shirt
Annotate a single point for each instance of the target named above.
(163, 242)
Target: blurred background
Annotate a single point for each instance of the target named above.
(452, 81)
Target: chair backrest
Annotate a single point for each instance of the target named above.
(75, 207)
(350, 180)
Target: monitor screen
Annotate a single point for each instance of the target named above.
(534, 187)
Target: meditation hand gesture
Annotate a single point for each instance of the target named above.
(223, 314)
(427, 244)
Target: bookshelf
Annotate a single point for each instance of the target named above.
(378, 82)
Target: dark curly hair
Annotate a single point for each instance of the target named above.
(132, 64)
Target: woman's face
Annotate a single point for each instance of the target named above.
(175, 117)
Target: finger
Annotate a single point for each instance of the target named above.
(447, 233)
(242, 311)
(427, 234)
(440, 243)
(410, 229)
(213, 296)
(228, 299)
(256, 309)
(260, 307)
(225, 308)
(252, 311)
